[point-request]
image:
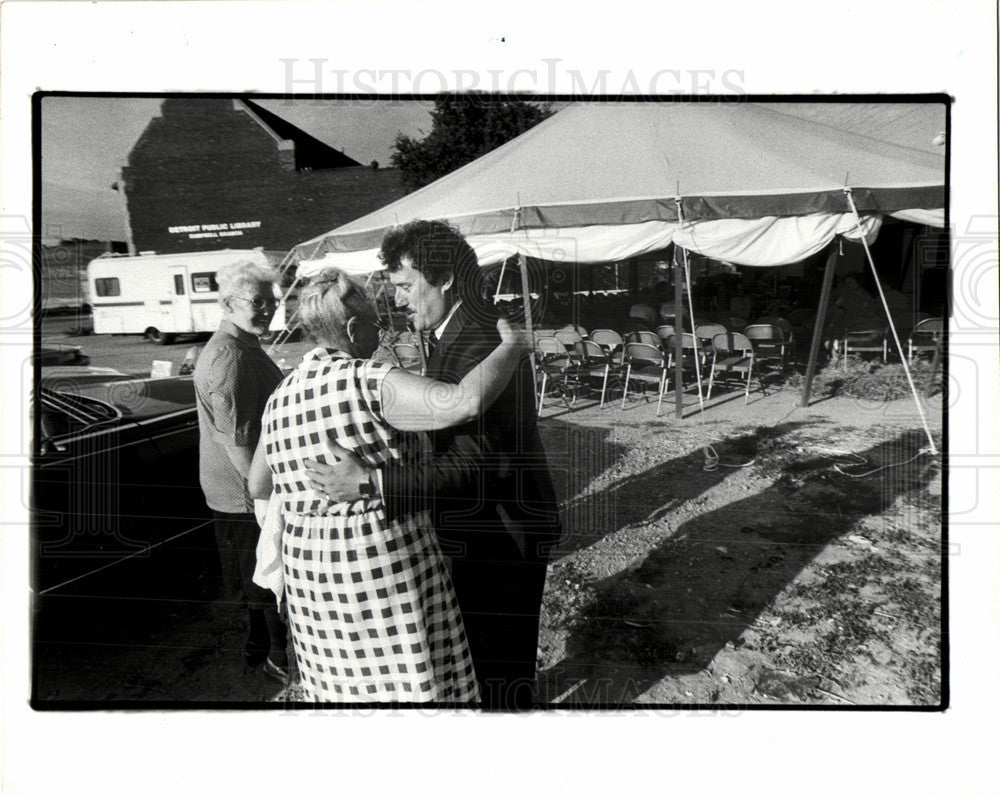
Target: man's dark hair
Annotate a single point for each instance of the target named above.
(436, 249)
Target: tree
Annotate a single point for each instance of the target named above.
(464, 127)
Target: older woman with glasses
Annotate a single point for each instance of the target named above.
(373, 614)
(233, 380)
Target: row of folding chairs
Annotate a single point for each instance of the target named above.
(869, 337)
(769, 340)
(565, 369)
(773, 338)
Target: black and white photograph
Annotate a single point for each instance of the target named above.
(513, 397)
(716, 479)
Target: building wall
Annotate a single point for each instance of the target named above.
(206, 175)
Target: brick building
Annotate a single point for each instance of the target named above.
(212, 174)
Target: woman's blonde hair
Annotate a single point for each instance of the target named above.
(329, 300)
(233, 276)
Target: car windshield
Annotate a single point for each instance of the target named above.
(83, 403)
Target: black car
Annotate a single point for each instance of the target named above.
(115, 479)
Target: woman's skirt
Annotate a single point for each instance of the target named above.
(373, 614)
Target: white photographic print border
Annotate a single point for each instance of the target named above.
(624, 49)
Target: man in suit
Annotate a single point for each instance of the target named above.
(487, 483)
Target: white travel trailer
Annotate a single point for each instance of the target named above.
(162, 295)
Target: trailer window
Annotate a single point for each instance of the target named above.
(107, 286)
(204, 283)
(179, 284)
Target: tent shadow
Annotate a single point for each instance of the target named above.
(705, 585)
(594, 514)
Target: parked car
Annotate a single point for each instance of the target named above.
(114, 475)
(50, 353)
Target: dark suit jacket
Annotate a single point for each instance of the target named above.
(488, 483)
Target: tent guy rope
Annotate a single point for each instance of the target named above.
(888, 315)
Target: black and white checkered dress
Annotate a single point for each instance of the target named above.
(371, 606)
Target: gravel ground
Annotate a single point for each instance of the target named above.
(753, 555)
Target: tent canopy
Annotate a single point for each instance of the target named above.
(755, 184)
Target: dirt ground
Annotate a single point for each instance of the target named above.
(759, 554)
(753, 555)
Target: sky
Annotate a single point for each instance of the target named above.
(86, 140)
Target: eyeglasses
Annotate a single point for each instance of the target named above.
(259, 303)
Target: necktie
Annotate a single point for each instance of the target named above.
(432, 342)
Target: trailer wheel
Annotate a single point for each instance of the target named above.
(154, 335)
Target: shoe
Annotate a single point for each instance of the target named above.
(274, 672)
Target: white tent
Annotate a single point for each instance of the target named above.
(758, 184)
(753, 184)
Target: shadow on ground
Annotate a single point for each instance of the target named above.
(578, 455)
(152, 631)
(702, 587)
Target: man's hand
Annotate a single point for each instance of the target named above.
(343, 482)
(514, 334)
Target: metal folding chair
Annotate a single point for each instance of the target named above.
(642, 361)
(612, 343)
(781, 323)
(568, 337)
(732, 352)
(866, 336)
(647, 338)
(558, 369)
(664, 331)
(705, 332)
(768, 342)
(571, 327)
(689, 350)
(927, 335)
(595, 362)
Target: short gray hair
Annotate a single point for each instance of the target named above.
(329, 300)
(233, 276)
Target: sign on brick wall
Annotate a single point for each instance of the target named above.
(230, 229)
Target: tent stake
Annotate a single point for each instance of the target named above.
(892, 326)
(817, 338)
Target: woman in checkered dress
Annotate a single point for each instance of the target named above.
(373, 614)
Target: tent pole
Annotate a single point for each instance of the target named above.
(824, 302)
(918, 281)
(678, 340)
(422, 347)
(697, 346)
(503, 270)
(892, 326)
(522, 263)
(687, 278)
(388, 305)
(291, 324)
